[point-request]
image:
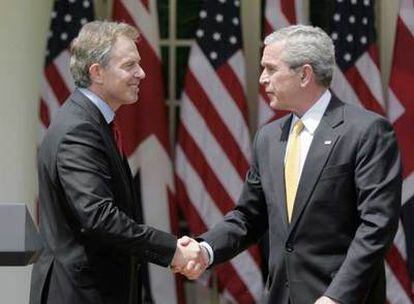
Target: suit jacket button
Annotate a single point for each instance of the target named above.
(289, 247)
(286, 283)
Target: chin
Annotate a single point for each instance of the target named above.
(133, 99)
(275, 105)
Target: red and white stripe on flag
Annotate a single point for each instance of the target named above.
(213, 148)
(278, 14)
(144, 129)
(401, 114)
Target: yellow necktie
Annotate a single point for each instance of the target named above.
(292, 167)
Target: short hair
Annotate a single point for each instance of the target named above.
(304, 44)
(93, 45)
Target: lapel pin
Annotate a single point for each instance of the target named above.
(328, 142)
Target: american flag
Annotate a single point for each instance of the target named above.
(277, 14)
(213, 148)
(67, 18)
(357, 80)
(144, 129)
(401, 114)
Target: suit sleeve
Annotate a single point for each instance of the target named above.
(378, 185)
(84, 173)
(244, 225)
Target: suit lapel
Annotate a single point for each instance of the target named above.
(123, 167)
(322, 145)
(97, 116)
(108, 138)
(277, 151)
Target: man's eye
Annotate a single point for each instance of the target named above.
(130, 65)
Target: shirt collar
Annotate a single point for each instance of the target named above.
(102, 106)
(313, 116)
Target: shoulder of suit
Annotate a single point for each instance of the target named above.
(71, 118)
(276, 124)
(361, 115)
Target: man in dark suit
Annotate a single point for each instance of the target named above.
(325, 181)
(93, 239)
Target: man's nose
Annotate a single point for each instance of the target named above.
(139, 73)
(263, 79)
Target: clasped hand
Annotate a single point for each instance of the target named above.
(190, 258)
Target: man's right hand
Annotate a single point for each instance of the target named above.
(190, 259)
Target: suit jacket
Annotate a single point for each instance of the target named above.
(345, 213)
(89, 221)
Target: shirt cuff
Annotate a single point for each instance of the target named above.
(209, 251)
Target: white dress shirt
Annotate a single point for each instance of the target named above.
(311, 120)
(102, 106)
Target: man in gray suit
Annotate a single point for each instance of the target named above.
(325, 181)
(94, 240)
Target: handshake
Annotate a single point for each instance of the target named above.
(190, 259)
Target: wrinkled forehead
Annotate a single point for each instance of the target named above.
(273, 52)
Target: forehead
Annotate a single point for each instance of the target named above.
(124, 47)
(272, 53)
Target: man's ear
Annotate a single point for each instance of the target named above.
(306, 75)
(95, 72)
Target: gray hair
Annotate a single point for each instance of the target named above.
(306, 44)
(93, 45)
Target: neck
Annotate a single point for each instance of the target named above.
(309, 100)
(96, 90)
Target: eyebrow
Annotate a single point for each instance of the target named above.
(263, 63)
